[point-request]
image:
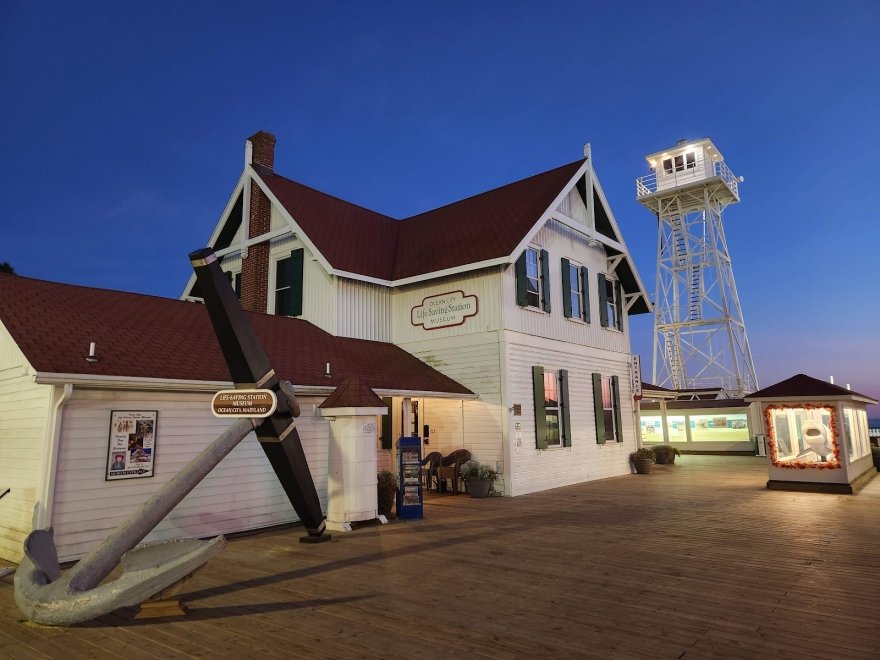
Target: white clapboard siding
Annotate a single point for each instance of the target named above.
(560, 241)
(473, 361)
(241, 493)
(363, 310)
(319, 288)
(573, 206)
(484, 284)
(24, 411)
(535, 470)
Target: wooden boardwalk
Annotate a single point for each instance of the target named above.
(695, 561)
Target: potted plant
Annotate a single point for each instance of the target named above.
(642, 459)
(386, 487)
(478, 478)
(666, 454)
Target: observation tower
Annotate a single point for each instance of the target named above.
(700, 337)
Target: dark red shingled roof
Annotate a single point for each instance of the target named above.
(142, 336)
(479, 228)
(353, 394)
(801, 385)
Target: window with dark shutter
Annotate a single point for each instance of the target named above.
(598, 408)
(545, 280)
(585, 289)
(289, 284)
(615, 401)
(565, 408)
(386, 425)
(603, 300)
(540, 410)
(522, 282)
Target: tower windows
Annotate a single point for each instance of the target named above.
(680, 163)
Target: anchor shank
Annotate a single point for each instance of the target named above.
(98, 564)
(249, 366)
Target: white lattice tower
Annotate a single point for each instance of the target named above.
(700, 337)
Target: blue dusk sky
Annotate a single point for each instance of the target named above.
(123, 129)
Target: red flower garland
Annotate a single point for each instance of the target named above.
(833, 464)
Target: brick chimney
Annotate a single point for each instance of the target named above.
(259, 152)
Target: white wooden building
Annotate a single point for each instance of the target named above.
(499, 324)
(522, 289)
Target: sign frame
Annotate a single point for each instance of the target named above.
(242, 394)
(464, 317)
(132, 435)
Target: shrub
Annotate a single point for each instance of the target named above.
(474, 470)
(644, 452)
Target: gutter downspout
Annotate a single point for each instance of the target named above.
(43, 509)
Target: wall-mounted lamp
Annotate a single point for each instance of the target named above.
(91, 357)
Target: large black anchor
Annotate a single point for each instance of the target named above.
(45, 595)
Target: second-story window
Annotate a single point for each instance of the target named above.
(289, 284)
(610, 303)
(533, 279)
(575, 291)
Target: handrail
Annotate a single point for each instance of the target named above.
(649, 184)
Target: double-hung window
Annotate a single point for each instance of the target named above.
(610, 303)
(552, 418)
(606, 403)
(289, 284)
(533, 279)
(575, 291)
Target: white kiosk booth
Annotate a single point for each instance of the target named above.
(817, 436)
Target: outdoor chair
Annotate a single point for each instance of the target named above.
(450, 468)
(430, 465)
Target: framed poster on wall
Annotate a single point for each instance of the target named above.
(131, 453)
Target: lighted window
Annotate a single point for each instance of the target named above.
(551, 408)
(608, 412)
(855, 424)
(651, 428)
(720, 427)
(675, 427)
(680, 163)
(802, 435)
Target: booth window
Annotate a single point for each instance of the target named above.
(575, 291)
(651, 427)
(856, 424)
(289, 284)
(606, 403)
(803, 435)
(610, 303)
(552, 417)
(720, 427)
(533, 279)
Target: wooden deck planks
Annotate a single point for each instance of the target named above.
(696, 561)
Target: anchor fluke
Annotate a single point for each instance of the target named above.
(146, 570)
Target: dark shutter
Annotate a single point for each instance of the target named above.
(566, 288)
(618, 293)
(386, 425)
(615, 393)
(603, 301)
(295, 305)
(545, 280)
(540, 411)
(522, 281)
(597, 405)
(564, 407)
(237, 285)
(585, 283)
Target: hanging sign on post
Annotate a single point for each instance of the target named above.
(244, 403)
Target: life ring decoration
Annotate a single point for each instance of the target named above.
(815, 434)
